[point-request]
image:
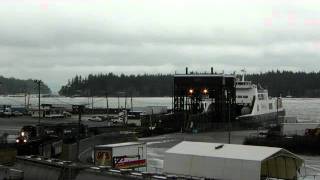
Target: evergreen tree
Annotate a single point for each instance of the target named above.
(284, 83)
(15, 86)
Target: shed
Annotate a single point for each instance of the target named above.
(230, 161)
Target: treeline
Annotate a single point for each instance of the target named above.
(285, 83)
(136, 85)
(17, 86)
(288, 83)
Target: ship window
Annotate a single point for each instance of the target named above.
(260, 96)
(270, 106)
(245, 96)
(279, 103)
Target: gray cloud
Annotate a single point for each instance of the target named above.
(56, 40)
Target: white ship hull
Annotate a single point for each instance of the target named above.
(261, 119)
(253, 105)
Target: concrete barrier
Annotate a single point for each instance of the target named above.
(85, 175)
(9, 173)
(38, 171)
(7, 155)
(38, 168)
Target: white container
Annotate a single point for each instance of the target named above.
(156, 110)
(149, 110)
(290, 129)
(121, 155)
(290, 119)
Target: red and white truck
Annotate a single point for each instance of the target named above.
(127, 155)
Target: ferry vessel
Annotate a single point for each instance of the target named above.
(254, 103)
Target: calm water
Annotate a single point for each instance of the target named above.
(303, 108)
(97, 101)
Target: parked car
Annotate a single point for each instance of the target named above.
(96, 119)
(67, 114)
(17, 113)
(7, 112)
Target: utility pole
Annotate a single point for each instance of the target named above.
(125, 102)
(131, 104)
(1, 88)
(277, 115)
(92, 104)
(80, 108)
(38, 82)
(150, 122)
(107, 105)
(118, 103)
(229, 118)
(25, 100)
(25, 96)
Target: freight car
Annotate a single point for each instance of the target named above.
(46, 139)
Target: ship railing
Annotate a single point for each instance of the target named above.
(262, 91)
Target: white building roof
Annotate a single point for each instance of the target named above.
(227, 151)
(230, 161)
(120, 144)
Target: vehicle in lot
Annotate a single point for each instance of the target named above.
(6, 112)
(17, 113)
(97, 118)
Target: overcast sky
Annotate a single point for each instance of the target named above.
(56, 39)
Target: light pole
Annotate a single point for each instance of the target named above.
(80, 109)
(118, 103)
(277, 114)
(106, 94)
(227, 94)
(131, 104)
(38, 82)
(1, 89)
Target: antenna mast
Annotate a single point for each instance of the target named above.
(243, 74)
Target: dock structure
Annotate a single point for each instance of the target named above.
(197, 94)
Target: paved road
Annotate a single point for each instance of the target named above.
(13, 125)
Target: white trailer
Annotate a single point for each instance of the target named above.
(290, 129)
(149, 110)
(122, 155)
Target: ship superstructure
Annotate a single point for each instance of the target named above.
(254, 103)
